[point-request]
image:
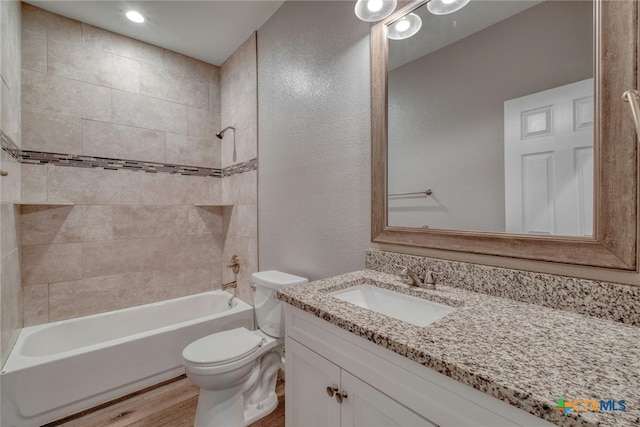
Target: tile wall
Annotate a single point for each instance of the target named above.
(10, 291)
(239, 85)
(133, 234)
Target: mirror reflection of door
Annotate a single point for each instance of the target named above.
(548, 171)
(447, 87)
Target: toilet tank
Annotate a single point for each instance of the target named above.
(267, 305)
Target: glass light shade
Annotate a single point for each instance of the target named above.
(444, 7)
(375, 10)
(404, 27)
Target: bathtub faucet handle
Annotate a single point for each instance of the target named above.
(234, 264)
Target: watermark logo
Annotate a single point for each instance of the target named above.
(590, 405)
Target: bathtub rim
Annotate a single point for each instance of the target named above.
(18, 361)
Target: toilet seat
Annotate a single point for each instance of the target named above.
(222, 348)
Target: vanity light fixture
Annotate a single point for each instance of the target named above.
(405, 27)
(375, 10)
(135, 16)
(444, 7)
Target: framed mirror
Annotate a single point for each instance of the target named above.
(467, 115)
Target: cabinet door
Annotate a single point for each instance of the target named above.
(307, 377)
(365, 406)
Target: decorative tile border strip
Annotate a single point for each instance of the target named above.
(9, 146)
(612, 301)
(92, 162)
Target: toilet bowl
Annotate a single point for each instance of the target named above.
(237, 369)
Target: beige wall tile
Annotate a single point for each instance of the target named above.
(121, 45)
(244, 113)
(10, 302)
(92, 186)
(187, 150)
(97, 223)
(247, 221)
(52, 133)
(168, 284)
(214, 89)
(203, 123)
(51, 94)
(165, 189)
(10, 185)
(90, 296)
(34, 50)
(144, 221)
(149, 113)
(246, 147)
(9, 229)
(178, 63)
(34, 183)
(51, 224)
(172, 86)
(205, 219)
(104, 139)
(122, 256)
(241, 188)
(193, 251)
(55, 26)
(10, 35)
(215, 187)
(35, 305)
(10, 114)
(79, 62)
(51, 263)
(237, 81)
(74, 61)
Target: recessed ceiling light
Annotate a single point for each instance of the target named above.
(135, 16)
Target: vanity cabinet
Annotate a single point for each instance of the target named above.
(382, 388)
(347, 401)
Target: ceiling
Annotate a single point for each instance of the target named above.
(208, 30)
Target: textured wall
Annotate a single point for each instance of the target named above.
(456, 146)
(132, 237)
(314, 150)
(10, 290)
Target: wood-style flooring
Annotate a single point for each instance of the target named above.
(169, 404)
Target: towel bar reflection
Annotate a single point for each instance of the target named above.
(427, 192)
(632, 96)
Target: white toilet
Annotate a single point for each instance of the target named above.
(236, 370)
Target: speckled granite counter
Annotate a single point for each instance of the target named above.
(524, 354)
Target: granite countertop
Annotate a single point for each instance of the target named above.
(524, 354)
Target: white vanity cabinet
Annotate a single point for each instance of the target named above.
(382, 388)
(347, 401)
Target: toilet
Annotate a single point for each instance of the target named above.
(236, 369)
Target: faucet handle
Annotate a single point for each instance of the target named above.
(404, 274)
(430, 278)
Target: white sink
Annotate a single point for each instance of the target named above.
(416, 311)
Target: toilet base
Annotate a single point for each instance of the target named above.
(261, 409)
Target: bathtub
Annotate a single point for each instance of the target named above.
(59, 369)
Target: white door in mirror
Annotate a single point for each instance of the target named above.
(548, 145)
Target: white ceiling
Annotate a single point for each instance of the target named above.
(209, 30)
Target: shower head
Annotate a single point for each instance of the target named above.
(220, 134)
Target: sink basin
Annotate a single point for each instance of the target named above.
(417, 311)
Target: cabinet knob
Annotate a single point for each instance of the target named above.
(331, 390)
(341, 396)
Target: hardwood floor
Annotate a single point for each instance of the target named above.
(170, 404)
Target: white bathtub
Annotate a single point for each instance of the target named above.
(58, 369)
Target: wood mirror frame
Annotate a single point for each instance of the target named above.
(614, 244)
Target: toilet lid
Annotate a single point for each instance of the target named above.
(222, 347)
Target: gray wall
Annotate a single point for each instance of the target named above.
(314, 140)
(447, 133)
